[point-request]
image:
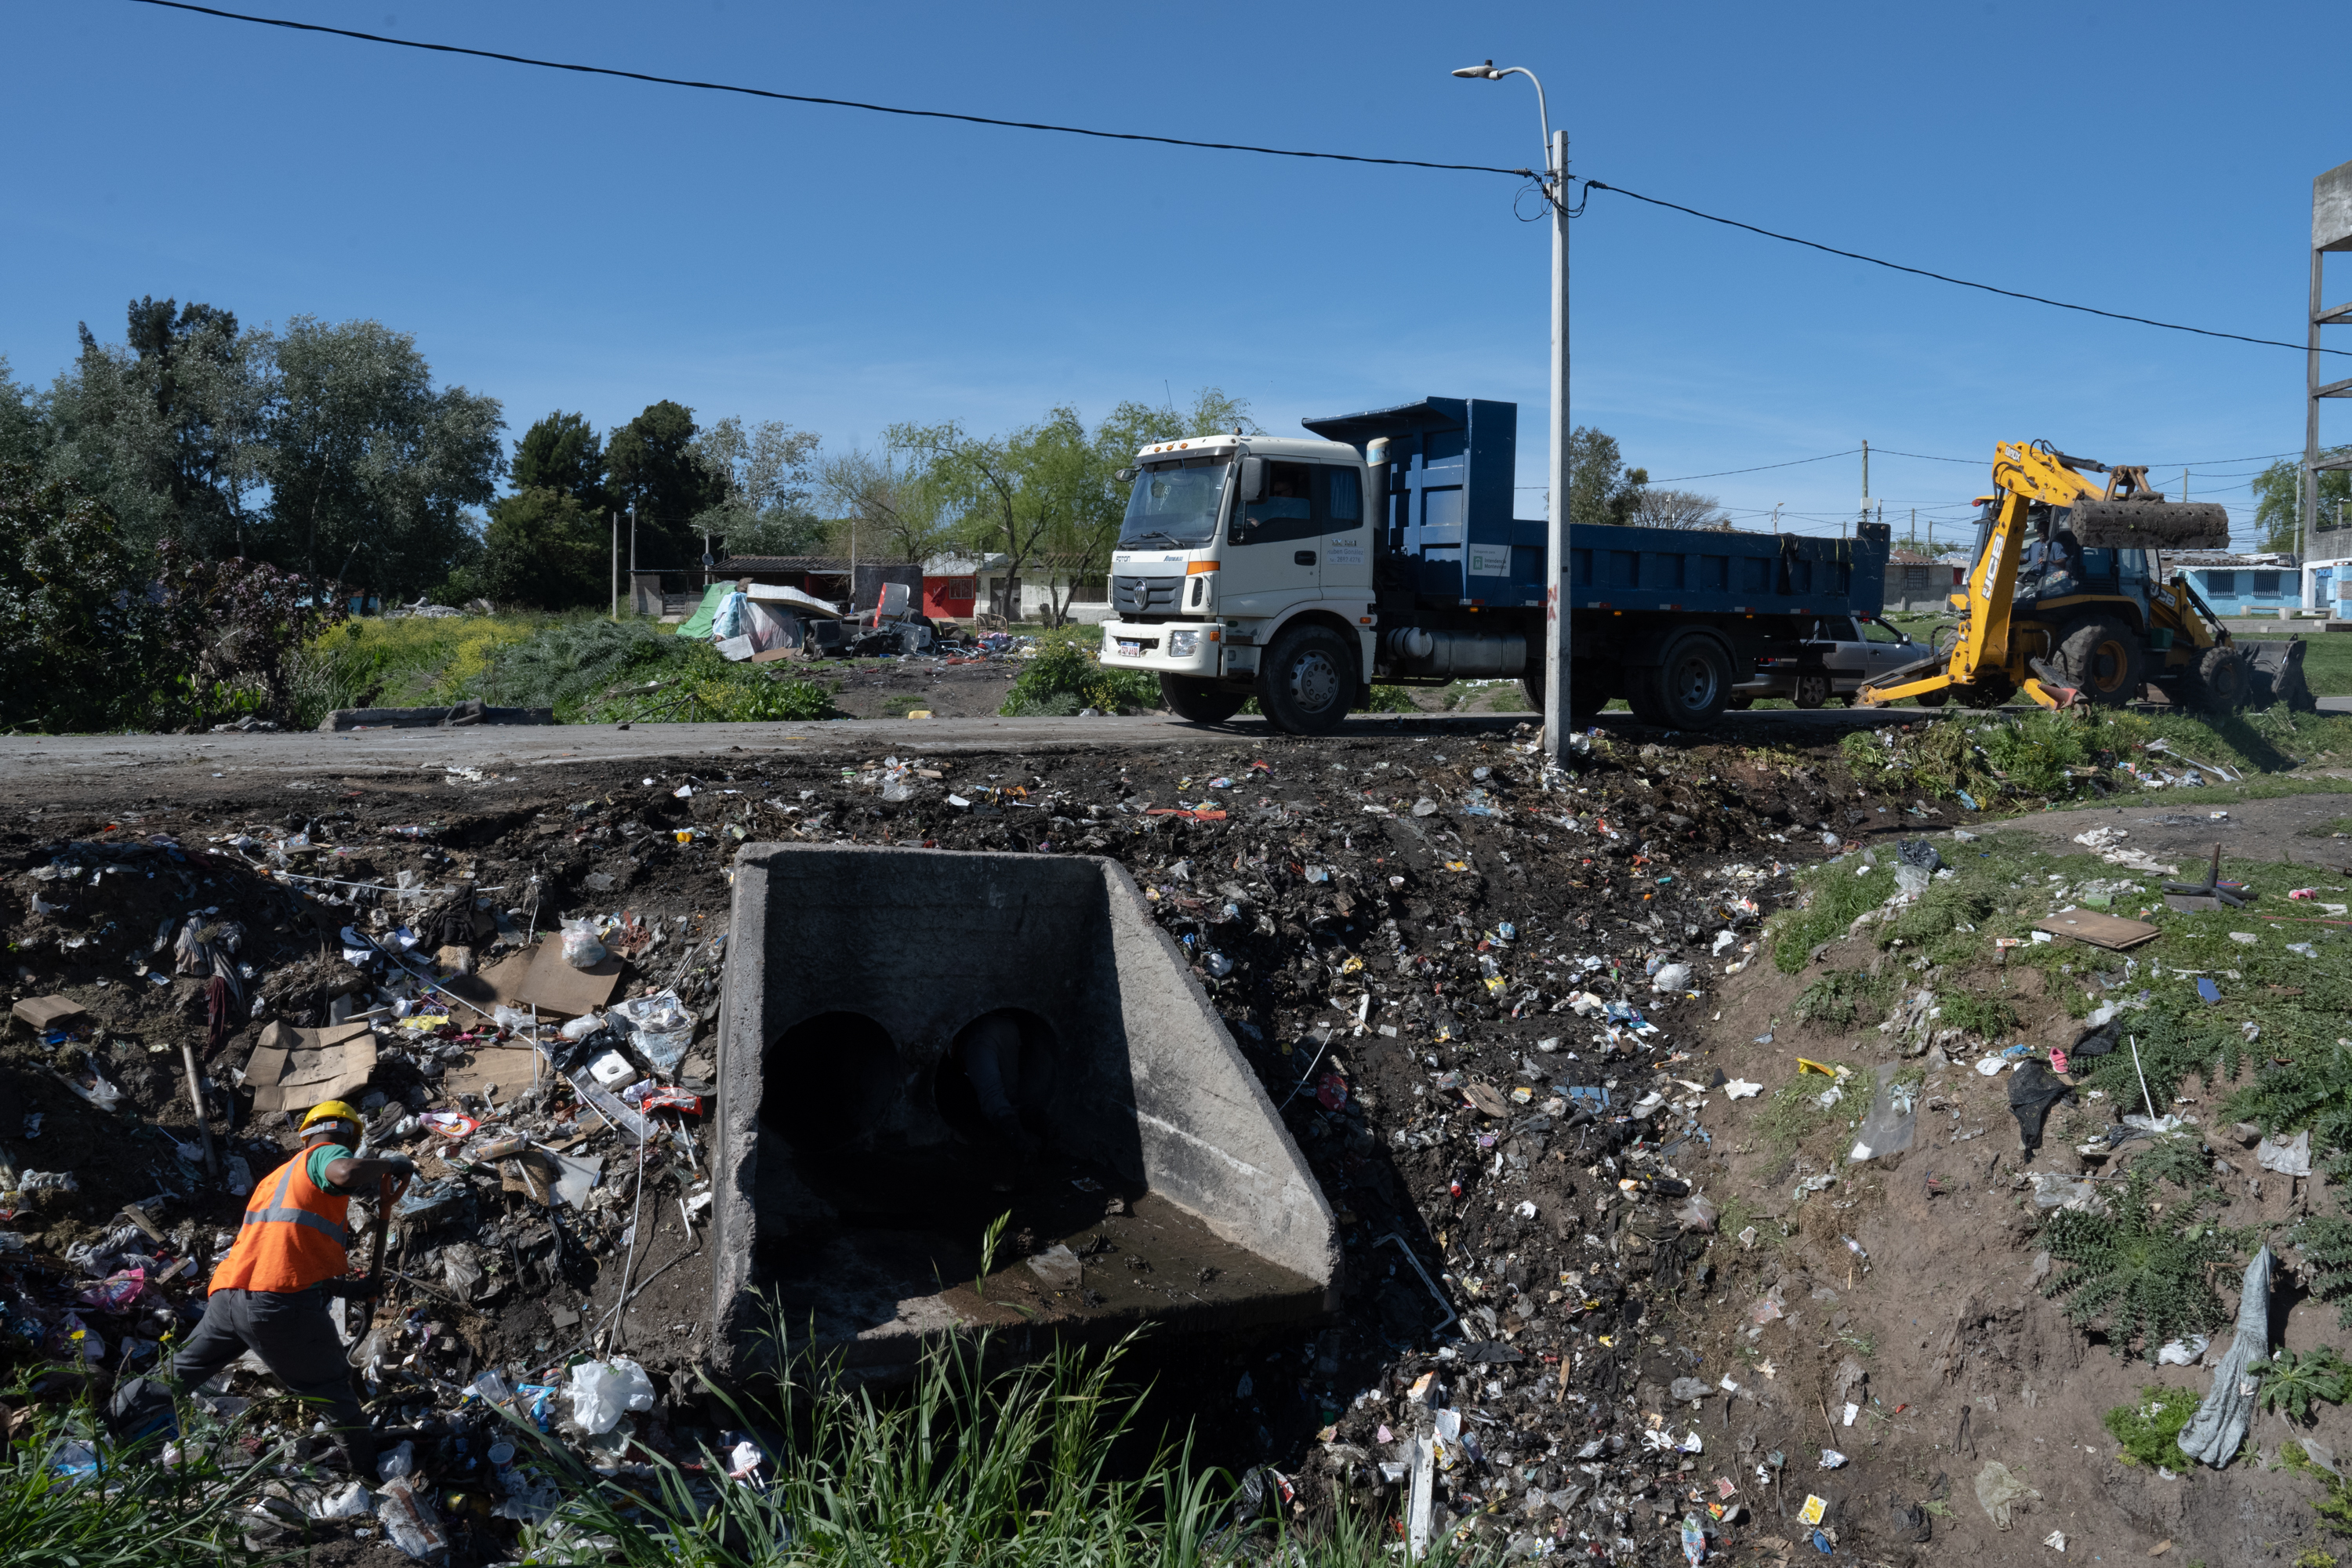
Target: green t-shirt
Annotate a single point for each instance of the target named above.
(325, 1155)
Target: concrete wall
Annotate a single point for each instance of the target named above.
(1147, 1082)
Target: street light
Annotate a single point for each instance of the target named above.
(1557, 608)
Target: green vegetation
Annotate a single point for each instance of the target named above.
(2326, 1243)
(2148, 1275)
(2333, 1503)
(1986, 1018)
(1792, 1115)
(2290, 1383)
(2150, 1430)
(142, 1515)
(968, 1468)
(1066, 674)
(1844, 996)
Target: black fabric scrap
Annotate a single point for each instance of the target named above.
(1920, 853)
(2032, 1090)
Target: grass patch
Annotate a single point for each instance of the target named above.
(2341, 827)
(2334, 1504)
(1844, 996)
(1986, 1017)
(1790, 1116)
(138, 1514)
(2149, 1431)
(1835, 898)
(593, 670)
(1008, 1468)
(404, 661)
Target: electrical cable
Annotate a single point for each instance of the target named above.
(1943, 278)
(1589, 186)
(826, 102)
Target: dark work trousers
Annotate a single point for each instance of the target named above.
(290, 1332)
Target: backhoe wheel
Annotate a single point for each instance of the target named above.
(1188, 697)
(2220, 683)
(2102, 657)
(1935, 699)
(1811, 691)
(1984, 694)
(1688, 688)
(1308, 681)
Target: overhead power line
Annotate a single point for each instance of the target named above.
(826, 102)
(1590, 186)
(1957, 282)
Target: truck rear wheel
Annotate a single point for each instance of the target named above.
(1688, 688)
(2102, 656)
(1188, 697)
(1811, 691)
(1589, 687)
(1308, 681)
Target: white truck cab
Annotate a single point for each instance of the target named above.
(1245, 568)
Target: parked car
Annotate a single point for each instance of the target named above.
(1845, 654)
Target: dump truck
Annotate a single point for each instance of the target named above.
(2067, 602)
(1299, 571)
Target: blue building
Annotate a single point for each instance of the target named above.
(2259, 585)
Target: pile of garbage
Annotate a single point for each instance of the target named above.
(1468, 983)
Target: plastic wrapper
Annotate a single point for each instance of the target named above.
(412, 1524)
(660, 1028)
(603, 1392)
(582, 949)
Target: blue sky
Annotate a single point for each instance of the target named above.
(559, 241)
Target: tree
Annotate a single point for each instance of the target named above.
(1600, 487)
(1675, 509)
(24, 423)
(888, 505)
(563, 453)
(368, 463)
(764, 475)
(545, 549)
(69, 585)
(654, 466)
(2278, 501)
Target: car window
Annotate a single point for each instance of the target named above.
(1837, 629)
(1879, 631)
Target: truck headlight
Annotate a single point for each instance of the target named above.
(1183, 645)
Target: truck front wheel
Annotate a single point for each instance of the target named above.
(1308, 681)
(1688, 688)
(1188, 697)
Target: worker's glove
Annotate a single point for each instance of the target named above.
(364, 1289)
(400, 1165)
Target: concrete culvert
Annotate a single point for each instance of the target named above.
(915, 1044)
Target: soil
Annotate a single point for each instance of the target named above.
(1582, 1303)
(888, 688)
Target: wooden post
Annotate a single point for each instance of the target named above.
(203, 1115)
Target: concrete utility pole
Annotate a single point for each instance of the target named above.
(2331, 229)
(1559, 575)
(633, 554)
(1867, 501)
(614, 518)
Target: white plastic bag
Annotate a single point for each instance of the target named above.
(661, 1028)
(601, 1391)
(582, 949)
(583, 1026)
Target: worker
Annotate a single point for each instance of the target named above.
(270, 1295)
(2053, 561)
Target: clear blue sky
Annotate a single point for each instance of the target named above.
(562, 241)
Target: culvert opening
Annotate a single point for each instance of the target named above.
(917, 1043)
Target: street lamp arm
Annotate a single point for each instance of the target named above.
(1490, 71)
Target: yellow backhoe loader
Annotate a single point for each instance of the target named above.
(2067, 602)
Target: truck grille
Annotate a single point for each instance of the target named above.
(1145, 596)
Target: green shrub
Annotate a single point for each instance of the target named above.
(1984, 1016)
(1835, 898)
(2327, 1244)
(2314, 1090)
(2148, 1275)
(1793, 1114)
(2290, 1383)
(1844, 997)
(1066, 674)
(2149, 1431)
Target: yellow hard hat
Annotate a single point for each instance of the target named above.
(330, 1110)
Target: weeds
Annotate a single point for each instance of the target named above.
(2327, 1244)
(2334, 1504)
(1844, 997)
(137, 1514)
(968, 1468)
(1066, 674)
(2149, 1431)
(2290, 1383)
(2148, 1275)
(1790, 1116)
(1986, 1017)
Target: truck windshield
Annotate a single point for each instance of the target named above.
(1176, 505)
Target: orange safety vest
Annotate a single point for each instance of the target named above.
(292, 1238)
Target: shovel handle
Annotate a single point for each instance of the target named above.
(387, 1194)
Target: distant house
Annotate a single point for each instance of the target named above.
(961, 586)
(2240, 584)
(2327, 574)
(1916, 582)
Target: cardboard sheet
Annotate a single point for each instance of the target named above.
(508, 1067)
(48, 1012)
(2100, 931)
(293, 1070)
(555, 987)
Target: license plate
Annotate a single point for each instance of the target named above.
(1130, 647)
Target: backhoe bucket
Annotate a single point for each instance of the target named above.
(2276, 669)
(2150, 525)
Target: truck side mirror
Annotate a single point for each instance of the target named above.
(1127, 476)
(1252, 478)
